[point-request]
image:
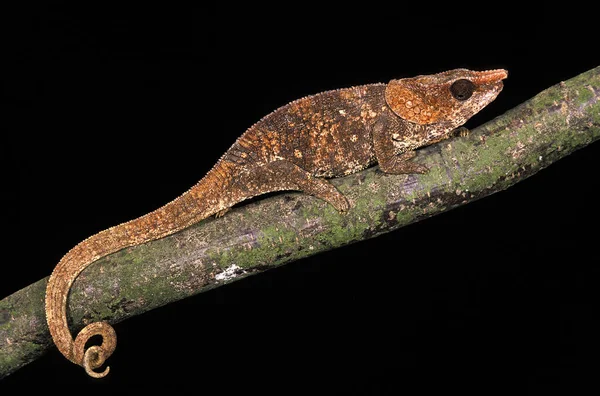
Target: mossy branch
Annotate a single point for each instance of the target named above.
(280, 229)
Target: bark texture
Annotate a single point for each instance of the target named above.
(280, 229)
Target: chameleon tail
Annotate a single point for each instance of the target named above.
(201, 201)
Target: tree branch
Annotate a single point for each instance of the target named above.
(287, 227)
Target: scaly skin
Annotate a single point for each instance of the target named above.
(296, 147)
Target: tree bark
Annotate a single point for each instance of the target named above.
(287, 227)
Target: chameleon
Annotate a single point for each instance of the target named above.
(297, 147)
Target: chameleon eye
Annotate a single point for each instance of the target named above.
(462, 89)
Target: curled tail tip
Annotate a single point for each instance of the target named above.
(92, 359)
(94, 356)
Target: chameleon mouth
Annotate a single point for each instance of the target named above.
(490, 76)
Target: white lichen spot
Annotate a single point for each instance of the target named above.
(229, 273)
(311, 247)
(343, 112)
(540, 158)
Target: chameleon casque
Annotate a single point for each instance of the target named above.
(296, 147)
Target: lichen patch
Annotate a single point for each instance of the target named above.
(230, 273)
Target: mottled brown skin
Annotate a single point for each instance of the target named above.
(296, 147)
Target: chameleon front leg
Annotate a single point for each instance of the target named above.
(390, 158)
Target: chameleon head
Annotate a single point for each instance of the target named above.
(449, 98)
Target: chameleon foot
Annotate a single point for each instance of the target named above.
(221, 213)
(461, 131)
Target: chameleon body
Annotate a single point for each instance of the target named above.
(297, 147)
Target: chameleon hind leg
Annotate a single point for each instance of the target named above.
(283, 175)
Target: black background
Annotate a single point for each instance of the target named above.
(120, 110)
